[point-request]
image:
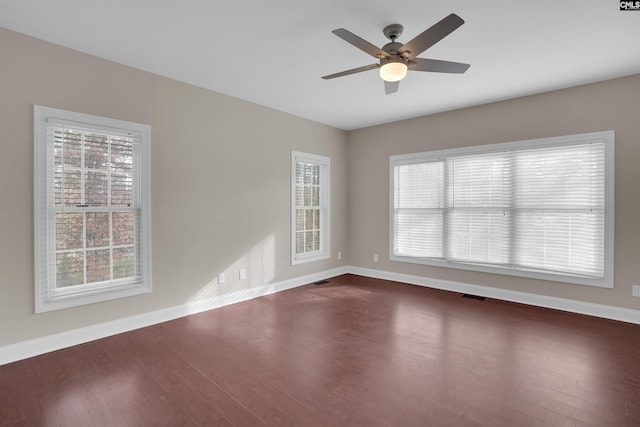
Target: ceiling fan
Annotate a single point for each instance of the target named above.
(396, 59)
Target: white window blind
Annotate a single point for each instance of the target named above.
(479, 197)
(310, 207)
(539, 208)
(419, 207)
(96, 211)
(92, 219)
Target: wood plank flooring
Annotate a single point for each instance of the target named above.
(352, 352)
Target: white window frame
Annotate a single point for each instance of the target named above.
(47, 296)
(608, 137)
(325, 209)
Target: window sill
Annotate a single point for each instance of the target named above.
(73, 299)
(302, 259)
(604, 282)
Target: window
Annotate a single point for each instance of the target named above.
(309, 207)
(538, 208)
(92, 208)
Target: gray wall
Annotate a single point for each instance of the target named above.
(602, 106)
(220, 182)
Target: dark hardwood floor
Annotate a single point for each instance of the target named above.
(352, 352)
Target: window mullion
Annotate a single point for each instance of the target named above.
(84, 247)
(513, 228)
(110, 245)
(136, 204)
(110, 212)
(109, 170)
(63, 169)
(446, 211)
(82, 169)
(83, 201)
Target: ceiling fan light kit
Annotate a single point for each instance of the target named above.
(393, 71)
(396, 59)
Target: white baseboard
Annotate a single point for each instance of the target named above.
(37, 346)
(573, 306)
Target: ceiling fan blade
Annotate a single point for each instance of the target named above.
(352, 71)
(391, 87)
(436, 66)
(431, 36)
(360, 43)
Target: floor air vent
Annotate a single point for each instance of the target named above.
(320, 282)
(478, 297)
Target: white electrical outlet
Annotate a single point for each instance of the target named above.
(375, 258)
(339, 255)
(635, 290)
(220, 278)
(243, 274)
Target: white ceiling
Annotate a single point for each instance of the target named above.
(274, 52)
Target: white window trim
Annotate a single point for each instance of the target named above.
(45, 299)
(609, 139)
(325, 220)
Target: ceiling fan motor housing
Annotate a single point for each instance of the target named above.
(394, 56)
(392, 32)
